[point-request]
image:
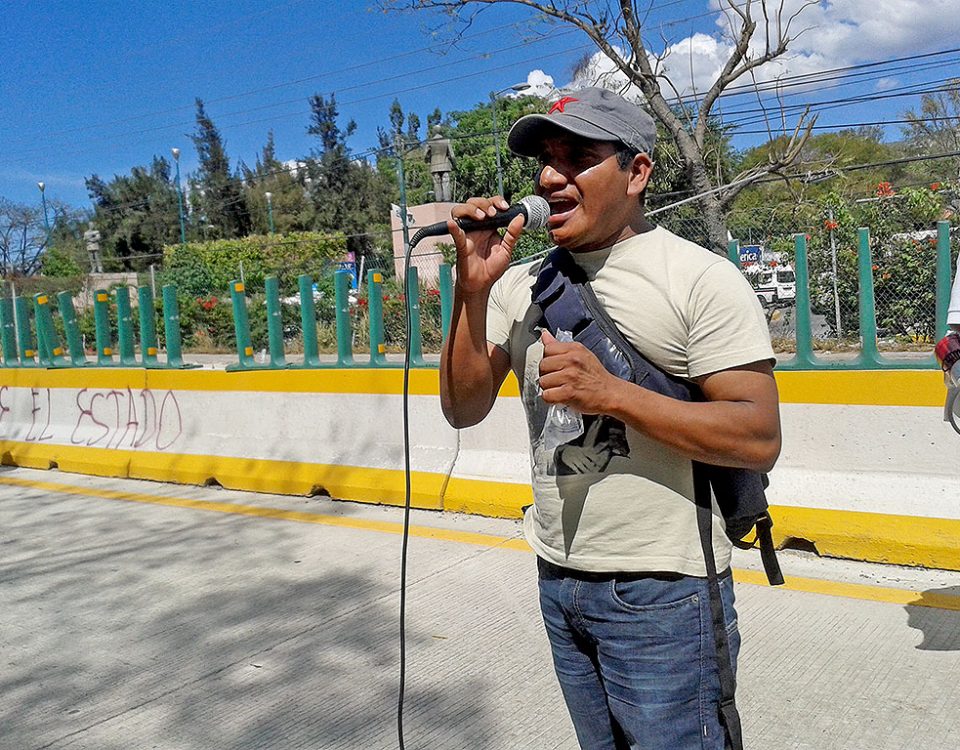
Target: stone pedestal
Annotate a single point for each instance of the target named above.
(426, 258)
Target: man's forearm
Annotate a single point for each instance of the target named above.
(742, 434)
(466, 373)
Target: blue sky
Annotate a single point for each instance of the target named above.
(99, 87)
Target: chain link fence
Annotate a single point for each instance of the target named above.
(902, 232)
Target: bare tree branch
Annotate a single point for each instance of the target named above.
(607, 24)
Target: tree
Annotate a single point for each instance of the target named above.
(346, 194)
(935, 129)
(417, 181)
(23, 238)
(136, 214)
(776, 206)
(219, 193)
(618, 32)
(288, 196)
(475, 172)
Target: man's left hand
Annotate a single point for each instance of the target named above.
(571, 374)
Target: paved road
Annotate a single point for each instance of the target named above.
(140, 615)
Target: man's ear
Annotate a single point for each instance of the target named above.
(641, 169)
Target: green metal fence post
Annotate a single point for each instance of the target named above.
(804, 330)
(733, 252)
(51, 353)
(241, 326)
(128, 355)
(148, 326)
(274, 322)
(416, 332)
(42, 351)
(869, 353)
(101, 318)
(341, 285)
(171, 326)
(378, 348)
(24, 334)
(308, 322)
(8, 333)
(71, 330)
(943, 277)
(446, 299)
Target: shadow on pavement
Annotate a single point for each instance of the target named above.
(128, 626)
(940, 627)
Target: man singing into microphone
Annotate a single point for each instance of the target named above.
(621, 570)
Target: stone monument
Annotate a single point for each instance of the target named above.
(92, 239)
(441, 159)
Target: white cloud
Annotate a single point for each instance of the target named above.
(829, 34)
(540, 84)
(52, 179)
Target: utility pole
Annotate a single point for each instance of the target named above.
(183, 226)
(398, 148)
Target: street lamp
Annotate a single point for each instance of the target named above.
(496, 133)
(43, 198)
(269, 197)
(183, 226)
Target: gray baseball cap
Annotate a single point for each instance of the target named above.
(594, 113)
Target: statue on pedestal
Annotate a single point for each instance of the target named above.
(92, 239)
(441, 159)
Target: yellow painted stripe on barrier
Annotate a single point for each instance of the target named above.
(883, 388)
(863, 387)
(257, 511)
(904, 597)
(878, 537)
(369, 485)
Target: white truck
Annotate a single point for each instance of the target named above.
(775, 284)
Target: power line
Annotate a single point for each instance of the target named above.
(300, 113)
(850, 125)
(824, 173)
(839, 103)
(283, 84)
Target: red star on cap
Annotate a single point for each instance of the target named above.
(561, 103)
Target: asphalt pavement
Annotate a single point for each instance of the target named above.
(143, 615)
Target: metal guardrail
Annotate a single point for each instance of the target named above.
(869, 357)
(20, 348)
(31, 340)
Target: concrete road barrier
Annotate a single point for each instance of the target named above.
(868, 469)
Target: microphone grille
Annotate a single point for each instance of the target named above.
(538, 212)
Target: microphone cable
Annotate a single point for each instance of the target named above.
(536, 212)
(405, 399)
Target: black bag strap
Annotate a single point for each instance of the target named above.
(729, 716)
(768, 552)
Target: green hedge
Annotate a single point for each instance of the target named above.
(203, 268)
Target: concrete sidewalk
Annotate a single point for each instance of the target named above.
(139, 615)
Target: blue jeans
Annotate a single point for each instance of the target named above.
(635, 657)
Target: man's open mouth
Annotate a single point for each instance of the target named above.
(561, 210)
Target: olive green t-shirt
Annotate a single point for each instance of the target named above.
(615, 499)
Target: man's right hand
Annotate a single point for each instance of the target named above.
(483, 256)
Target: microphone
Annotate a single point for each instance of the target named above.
(534, 209)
